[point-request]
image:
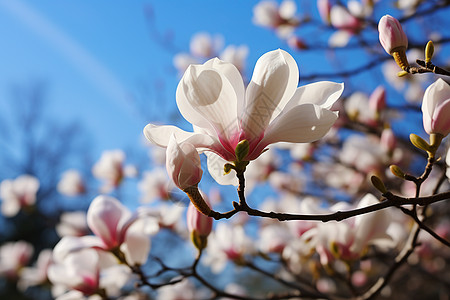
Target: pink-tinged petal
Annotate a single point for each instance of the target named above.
(273, 83)
(441, 119)
(371, 226)
(183, 164)
(207, 93)
(437, 93)
(136, 247)
(215, 165)
(321, 93)
(70, 244)
(302, 124)
(109, 220)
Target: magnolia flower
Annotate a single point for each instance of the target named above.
(18, 193)
(13, 257)
(78, 271)
(226, 243)
(110, 169)
(346, 23)
(282, 18)
(183, 164)
(213, 99)
(72, 223)
(436, 108)
(154, 185)
(109, 220)
(71, 183)
(392, 37)
(32, 276)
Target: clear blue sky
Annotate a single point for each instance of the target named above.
(95, 55)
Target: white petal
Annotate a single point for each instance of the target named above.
(370, 226)
(136, 247)
(273, 83)
(215, 167)
(160, 135)
(322, 93)
(287, 10)
(205, 95)
(302, 124)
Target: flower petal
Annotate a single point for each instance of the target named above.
(322, 93)
(215, 167)
(205, 95)
(273, 83)
(302, 124)
(160, 135)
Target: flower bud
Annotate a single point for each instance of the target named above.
(199, 225)
(429, 51)
(397, 171)
(394, 40)
(436, 108)
(378, 184)
(388, 140)
(183, 164)
(392, 37)
(377, 100)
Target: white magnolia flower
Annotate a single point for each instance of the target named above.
(272, 109)
(225, 243)
(71, 183)
(281, 17)
(36, 275)
(72, 223)
(154, 185)
(110, 169)
(13, 257)
(18, 193)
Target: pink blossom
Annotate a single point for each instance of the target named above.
(13, 257)
(109, 220)
(436, 108)
(324, 7)
(18, 193)
(377, 100)
(79, 271)
(392, 36)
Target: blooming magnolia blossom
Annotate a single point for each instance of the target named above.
(281, 18)
(436, 108)
(109, 220)
(154, 185)
(226, 242)
(111, 169)
(18, 193)
(71, 183)
(203, 46)
(13, 257)
(346, 23)
(78, 271)
(72, 223)
(32, 276)
(272, 109)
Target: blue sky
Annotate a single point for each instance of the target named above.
(95, 55)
